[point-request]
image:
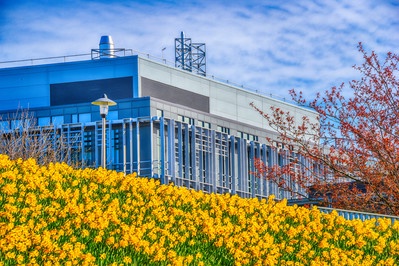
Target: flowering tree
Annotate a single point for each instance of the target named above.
(353, 147)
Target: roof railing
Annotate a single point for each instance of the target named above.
(122, 52)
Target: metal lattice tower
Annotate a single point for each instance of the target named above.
(190, 56)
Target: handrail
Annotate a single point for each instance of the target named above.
(351, 215)
(32, 61)
(121, 52)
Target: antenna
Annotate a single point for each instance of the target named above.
(190, 56)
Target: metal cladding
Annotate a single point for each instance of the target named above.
(107, 49)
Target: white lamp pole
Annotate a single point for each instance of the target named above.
(103, 103)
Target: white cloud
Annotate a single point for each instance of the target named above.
(309, 45)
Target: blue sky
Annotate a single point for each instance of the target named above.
(269, 46)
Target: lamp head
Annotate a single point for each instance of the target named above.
(104, 102)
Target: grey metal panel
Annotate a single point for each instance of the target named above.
(175, 95)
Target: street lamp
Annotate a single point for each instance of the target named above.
(103, 103)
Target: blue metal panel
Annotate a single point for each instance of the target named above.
(264, 181)
(186, 145)
(131, 145)
(232, 165)
(285, 161)
(213, 175)
(258, 182)
(30, 86)
(270, 162)
(244, 167)
(208, 161)
(227, 178)
(151, 137)
(124, 147)
(96, 145)
(163, 178)
(109, 154)
(252, 169)
(220, 176)
(180, 150)
(171, 151)
(240, 159)
(138, 144)
(201, 158)
(193, 158)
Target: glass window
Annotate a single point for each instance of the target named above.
(75, 118)
(112, 115)
(86, 117)
(57, 120)
(4, 125)
(159, 113)
(43, 121)
(16, 124)
(185, 119)
(223, 129)
(203, 124)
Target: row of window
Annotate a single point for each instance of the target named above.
(112, 115)
(53, 120)
(191, 121)
(247, 136)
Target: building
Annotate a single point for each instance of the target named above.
(168, 123)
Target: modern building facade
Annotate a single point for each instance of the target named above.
(168, 123)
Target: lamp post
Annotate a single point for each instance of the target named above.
(103, 103)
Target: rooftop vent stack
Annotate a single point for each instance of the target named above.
(107, 49)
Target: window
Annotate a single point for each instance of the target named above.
(185, 119)
(223, 129)
(43, 121)
(86, 117)
(75, 118)
(112, 115)
(4, 125)
(203, 124)
(247, 136)
(159, 113)
(16, 124)
(57, 120)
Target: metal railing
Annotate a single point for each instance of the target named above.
(352, 215)
(121, 52)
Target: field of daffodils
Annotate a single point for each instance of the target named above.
(55, 215)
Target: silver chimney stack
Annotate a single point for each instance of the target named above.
(107, 49)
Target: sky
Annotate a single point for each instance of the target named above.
(266, 46)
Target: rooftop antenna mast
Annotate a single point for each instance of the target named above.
(190, 56)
